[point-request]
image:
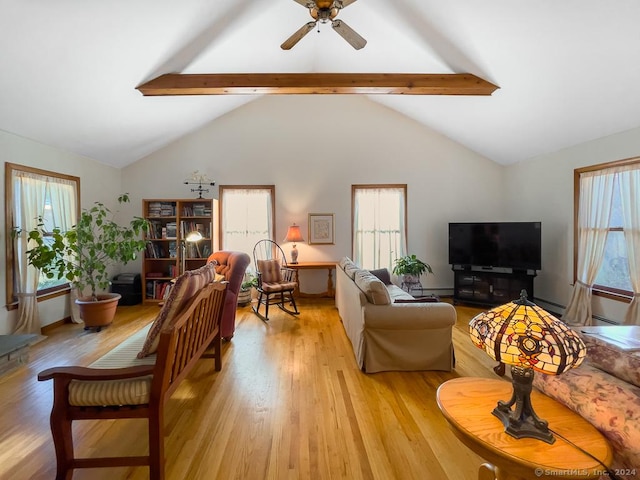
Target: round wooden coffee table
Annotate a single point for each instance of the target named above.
(467, 404)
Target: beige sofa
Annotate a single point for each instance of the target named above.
(388, 328)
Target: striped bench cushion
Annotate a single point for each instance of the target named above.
(116, 392)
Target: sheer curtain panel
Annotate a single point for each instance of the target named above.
(379, 232)
(629, 179)
(247, 217)
(596, 195)
(29, 193)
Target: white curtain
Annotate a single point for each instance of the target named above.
(246, 218)
(379, 227)
(29, 198)
(63, 196)
(596, 195)
(629, 181)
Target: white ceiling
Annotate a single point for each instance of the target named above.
(568, 70)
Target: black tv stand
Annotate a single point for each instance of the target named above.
(488, 286)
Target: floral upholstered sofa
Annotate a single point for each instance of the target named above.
(605, 390)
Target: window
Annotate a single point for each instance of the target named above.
(246, 216)
(607, 195)
(379, 214)
(31, 194)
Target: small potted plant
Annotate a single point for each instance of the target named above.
(411, 268)
(244, 295)
(83, 254)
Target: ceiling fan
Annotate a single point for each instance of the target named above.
(325, 11)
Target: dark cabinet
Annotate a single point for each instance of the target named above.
(490, 288)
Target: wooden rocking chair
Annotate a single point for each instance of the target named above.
(276, 282)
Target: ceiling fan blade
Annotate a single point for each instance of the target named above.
(296, 37)
(345, 3)
(349, 34)
(306, 3)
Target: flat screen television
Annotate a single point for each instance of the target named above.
(515, 245)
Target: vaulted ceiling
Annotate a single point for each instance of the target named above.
(568, 71)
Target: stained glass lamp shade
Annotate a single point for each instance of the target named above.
(528, 338)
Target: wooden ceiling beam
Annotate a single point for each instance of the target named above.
(317, 83)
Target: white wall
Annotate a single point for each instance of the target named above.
(97, 183)
(542, 188)
(313, 148)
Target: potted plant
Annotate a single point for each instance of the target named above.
(83, 254)
(411, 267)
(244, 295)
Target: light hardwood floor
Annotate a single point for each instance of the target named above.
(289, 403)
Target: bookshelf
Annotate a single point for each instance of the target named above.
(171, 220)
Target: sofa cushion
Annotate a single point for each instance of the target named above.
(351, 271)
(383, 274)
(116, 392)
(417, 300)
(621, 364)
(344, 261)
(396, 293)
(185, 287)
(375, 291)
(349, 267)
(270, 271)
(608, 403)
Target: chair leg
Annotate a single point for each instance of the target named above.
(156, 444)
(218, 352)
(292, 300)
(62, 433)
(256, 309)
(63, 443)
(266, 308)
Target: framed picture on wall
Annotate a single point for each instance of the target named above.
(321, 229)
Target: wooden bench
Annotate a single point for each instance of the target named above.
(182, 341)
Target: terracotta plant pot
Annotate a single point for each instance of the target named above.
(98, 314)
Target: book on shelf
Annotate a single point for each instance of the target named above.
(154, 209)
(154, 250)
(173, 252)
(172, 230)
(157, 289)
(198, 209)
(161, 209)
(187, 227)
(168, 209)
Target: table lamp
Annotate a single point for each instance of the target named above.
(528, 338)
(294, 235)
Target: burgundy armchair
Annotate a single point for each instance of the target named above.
(233, 266)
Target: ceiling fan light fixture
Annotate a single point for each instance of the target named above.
(325, 11)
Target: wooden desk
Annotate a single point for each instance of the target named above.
(467, 403)
(329, 266)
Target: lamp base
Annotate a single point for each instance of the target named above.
(522, 422)
(294, 254)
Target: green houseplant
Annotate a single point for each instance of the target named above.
(411, 267)
(244, 295)
(83, 254)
